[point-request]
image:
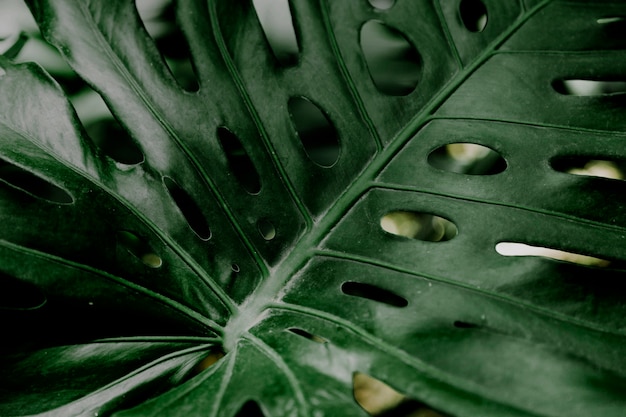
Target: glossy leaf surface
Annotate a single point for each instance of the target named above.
(165, 287)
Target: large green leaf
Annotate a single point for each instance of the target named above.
(124, 280)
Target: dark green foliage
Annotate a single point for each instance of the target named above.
(230, 253)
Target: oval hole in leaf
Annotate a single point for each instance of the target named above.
(235, 268)
(159, 19)
(374, 293)
(307, 335)
(473, 15)
(379, 399)
(521, 249)
(266, 229)
(317, 134)
(250, 409)
(114, 141)
(419, 226)
(467, 158)
(189, 209)
(580, 165)
(32, 184)
(382, 4)
(393, 63)
(586, 88)
(238, 161)
(16, 294)
(276, 21)
(139, 248)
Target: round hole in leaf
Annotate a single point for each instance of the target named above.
(32, 184)
(16, 294)
(392, 61)
(317, 134)
(420, 226)
(139, 248)
(239, 162)
(473, 14)
(266, 229)
(189, 209)
(382, 4)
(114, 141)
(467, 158)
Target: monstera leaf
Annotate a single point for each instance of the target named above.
(246, 250)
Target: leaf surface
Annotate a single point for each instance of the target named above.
(234, 235)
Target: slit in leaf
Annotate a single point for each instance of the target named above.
(16, 294)
(276, 21)
(374, 293)
(382, 4)
(589, 88)
(521, 249)
(139, 248)
(586, 166)
(32, 184)
(307, 335)
(473, 15)
(393, 63)
(238, 161)
(189, 209)
(317, 134)
(159, 20)
(420, 226)
(467, 158)
(613, 26)
(250, 409)
(380, 400)
(464, 325)
(266, 229)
